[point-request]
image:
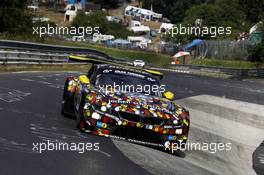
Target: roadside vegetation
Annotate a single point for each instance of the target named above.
(226, 63)
(153, 58)
(162, 59)
(55, 68)
(16, 24)
(158, 59)
(257, 52)
(98, 19)
(238, 14)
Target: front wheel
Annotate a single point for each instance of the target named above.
(67, 102)
(79, 111)
(62, 107)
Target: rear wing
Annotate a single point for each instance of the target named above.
(114, 63)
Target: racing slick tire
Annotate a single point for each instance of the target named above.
(79, 112)
(66, 104)
(64, 99)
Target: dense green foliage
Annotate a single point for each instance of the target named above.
(107, 3)
(174, 10)
(14, 18)
(98, 19)
(222, 13)
(238, 14)
(177, 10)
(253, 9)
(257, 52)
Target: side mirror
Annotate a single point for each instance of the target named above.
(169, 95)
(84, 79)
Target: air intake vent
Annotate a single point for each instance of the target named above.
(152, 121)
(129, 117)
(137, 118)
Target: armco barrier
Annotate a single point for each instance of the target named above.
(28, 46)
(19, 57)
(193, 69)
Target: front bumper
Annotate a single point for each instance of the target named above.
(116, 127)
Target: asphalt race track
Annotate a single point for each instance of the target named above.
(222, 111)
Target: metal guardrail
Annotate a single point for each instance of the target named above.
(193, 69)
(25, 57)
(18, 52)
(29, 53)
(46, 48)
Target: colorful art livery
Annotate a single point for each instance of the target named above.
(146, 119)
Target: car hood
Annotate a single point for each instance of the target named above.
(135, 103)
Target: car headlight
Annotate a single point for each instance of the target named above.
(103, 108)
(117, 108)
(149, 127)
(108, 105)
(137, 112)
(86, 106)
(96, 116)
(167, 144)
(178, 131)
(175, 122)
(71, 82)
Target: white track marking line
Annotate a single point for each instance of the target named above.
(246, 107)
(229, 129)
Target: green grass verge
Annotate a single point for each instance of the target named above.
(226, 63)
(65, 67)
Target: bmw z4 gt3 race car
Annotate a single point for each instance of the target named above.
(103, 103)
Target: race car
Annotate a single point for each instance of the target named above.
(139, 63)
(112, 100)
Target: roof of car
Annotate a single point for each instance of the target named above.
(116, 64)
(102, 67)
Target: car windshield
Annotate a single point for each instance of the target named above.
(135, 83)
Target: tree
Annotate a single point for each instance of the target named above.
(158, 5)
(98, 19)
(107, 3)
(253, 8)
(14, 17)
(174, 10)
(178, 10)
(222, 13)
(257, 51)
